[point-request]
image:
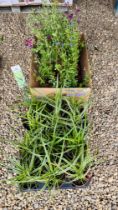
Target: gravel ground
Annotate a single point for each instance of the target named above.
(101, 29)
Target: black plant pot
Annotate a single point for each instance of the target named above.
(25, 123)
(65, 186)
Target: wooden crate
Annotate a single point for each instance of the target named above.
(84, 92)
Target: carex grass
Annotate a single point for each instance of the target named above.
(54, 149)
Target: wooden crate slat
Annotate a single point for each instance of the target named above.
(30, 2)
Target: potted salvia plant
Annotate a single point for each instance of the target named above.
(59, 54)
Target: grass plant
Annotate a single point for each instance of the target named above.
(54, 149)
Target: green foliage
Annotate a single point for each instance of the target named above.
(86, 80)
(54, 150)
(57, 46)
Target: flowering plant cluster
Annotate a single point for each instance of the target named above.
(57, 46)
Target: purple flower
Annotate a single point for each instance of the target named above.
(49, 37)
(77, 9)
(29, 42)
(70, 16)
(78, 20)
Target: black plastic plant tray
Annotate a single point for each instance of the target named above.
(64, 186)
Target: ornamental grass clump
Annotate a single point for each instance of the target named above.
(57, 46)
(54, 149)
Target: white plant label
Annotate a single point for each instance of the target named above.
(19, 76)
